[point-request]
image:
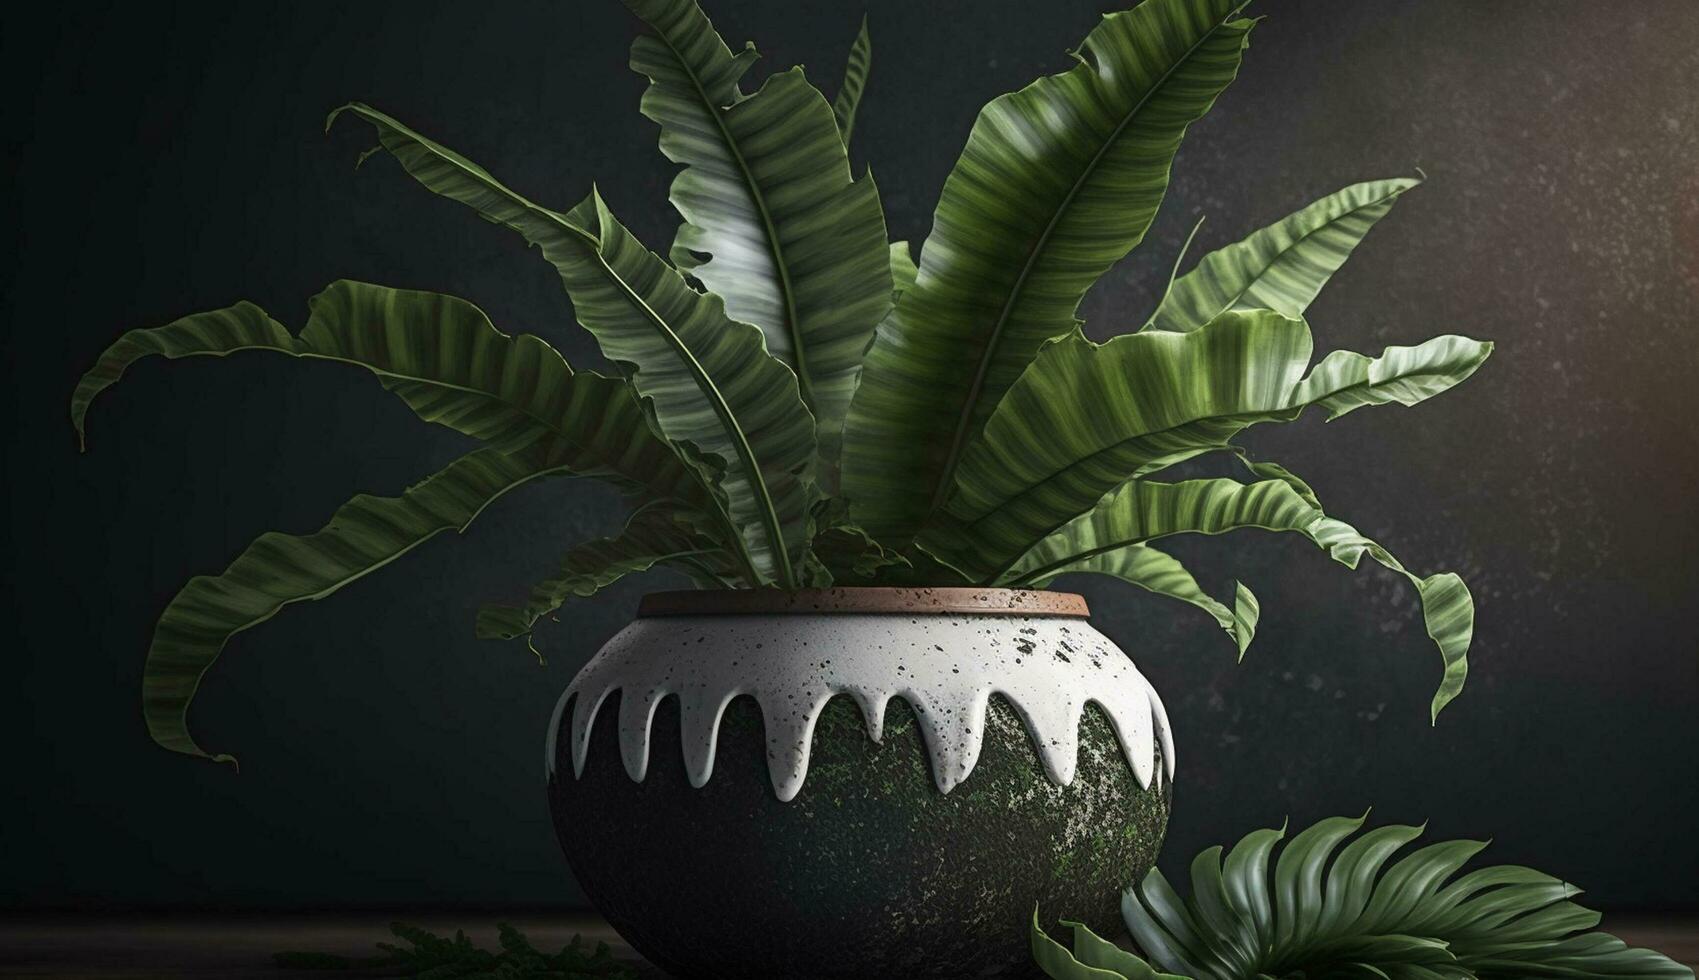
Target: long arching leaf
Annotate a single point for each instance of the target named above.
(848, 99)
(1159, 572)
(652, 537)
(708, 376)
(364, 535)
(1144, 510)
(445, 359)
(1086, 417)
(773, 221)
(711, 381)
(1110, 539)
(1283, 266)
(1057, 182)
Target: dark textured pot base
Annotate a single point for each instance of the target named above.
(870, 871)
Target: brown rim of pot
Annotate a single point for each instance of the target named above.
(876, 601)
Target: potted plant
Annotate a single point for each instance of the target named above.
(869, 741)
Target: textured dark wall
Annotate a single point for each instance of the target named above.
(169, 158)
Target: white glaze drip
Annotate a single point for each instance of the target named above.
(945, 667)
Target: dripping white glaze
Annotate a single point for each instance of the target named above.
(945, 667)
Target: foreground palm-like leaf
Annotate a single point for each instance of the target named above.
(796, 401)
(1113, 539)
(1329, 911)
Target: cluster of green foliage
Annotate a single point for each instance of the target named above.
(1347, 915)
(794, 401)
(437, 958)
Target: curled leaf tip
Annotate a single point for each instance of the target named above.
(330, 119)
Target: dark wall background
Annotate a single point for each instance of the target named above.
(169, 158)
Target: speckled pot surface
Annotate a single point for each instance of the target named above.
(886, 793)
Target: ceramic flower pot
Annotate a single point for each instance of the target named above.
(857, 782)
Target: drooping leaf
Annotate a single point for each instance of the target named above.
(1144, 510)
(1111, 539)
(1088, 417)
(1448, 610)
(1159, 572)
(652, 537)
(848, 99)
(364, 535)
(445, 359)
(1057, 183)
(1351, 918)
(1283, 266)
(708, 376)
(773, 222)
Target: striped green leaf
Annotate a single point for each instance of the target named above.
(1144, 510)
(445, 359)
(773, 222)
(653, 536)
(1281, 267)
(1111, 540)
(712, 383)
(1340, 912)
(903, 269)
(1057, 182)
(1087, 417)
(1448, 610)
(1159, 572)
(709, 377)
(364, 535)
(848, 99)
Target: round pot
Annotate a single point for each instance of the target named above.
(857, 782)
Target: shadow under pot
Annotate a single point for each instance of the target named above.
(857, 782)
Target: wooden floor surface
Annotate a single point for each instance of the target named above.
(135, 947)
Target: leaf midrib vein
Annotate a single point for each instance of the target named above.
(959, 436)
(793, 326)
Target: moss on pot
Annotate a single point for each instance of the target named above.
(870, 871)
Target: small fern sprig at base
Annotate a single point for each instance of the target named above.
(422, 953)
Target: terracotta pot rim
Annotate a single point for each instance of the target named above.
(944, 601)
